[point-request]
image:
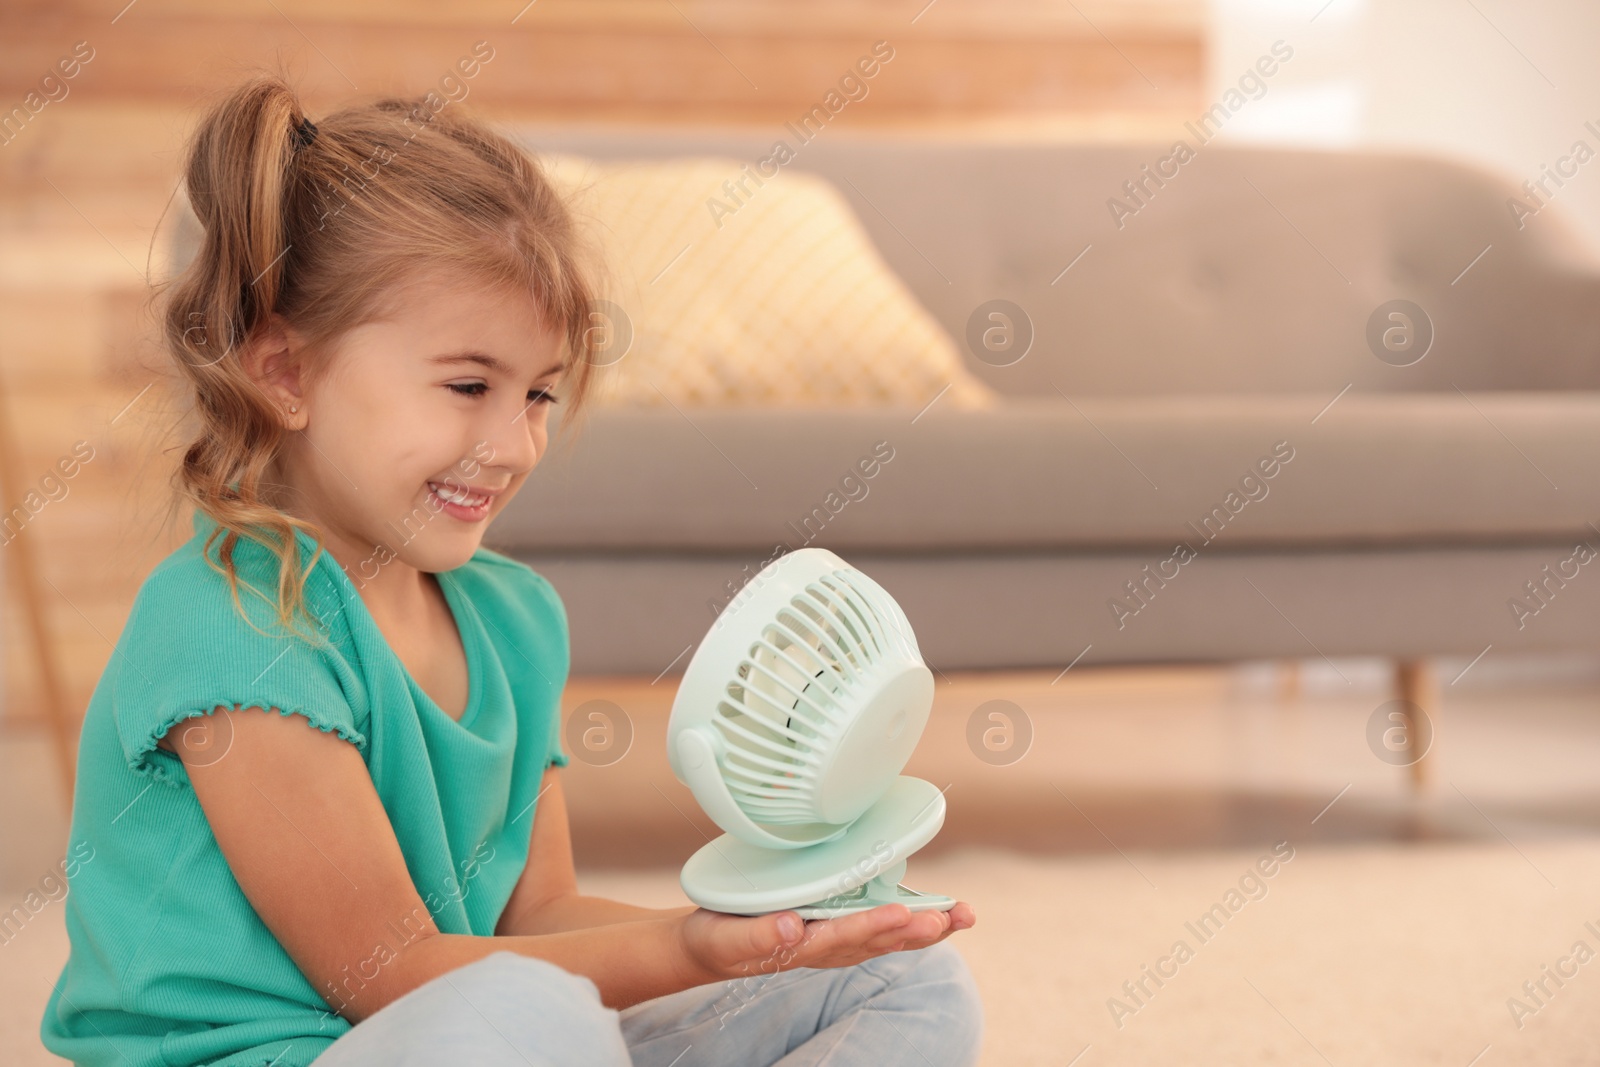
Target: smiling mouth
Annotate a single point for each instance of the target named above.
(461, 497)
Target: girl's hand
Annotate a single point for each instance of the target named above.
(719, 946)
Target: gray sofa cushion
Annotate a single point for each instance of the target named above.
(1439, 469)
(643, 613)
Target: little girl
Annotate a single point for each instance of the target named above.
(320, 774)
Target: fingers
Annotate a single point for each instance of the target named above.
(921, 928)
(847, 933)
(782, 939)
(867, 933)
(777, 931)
(879, 923)
(886, 928)
(959, 917)
(736, 939)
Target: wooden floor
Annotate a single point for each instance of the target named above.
(1394, 937)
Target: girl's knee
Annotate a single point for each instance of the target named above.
(943, 966)
(506, 975)
(940, 965)
(956, 993)
(514, 992)
(943, 982)
(505, 1008)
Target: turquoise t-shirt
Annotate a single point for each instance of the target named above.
(170, 966)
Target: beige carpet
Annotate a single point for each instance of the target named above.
(1370, 955)
(1362, 955)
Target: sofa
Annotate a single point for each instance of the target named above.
(1216, 442)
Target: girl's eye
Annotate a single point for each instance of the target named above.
(535, 396)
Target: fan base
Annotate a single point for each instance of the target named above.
(879, 891)
(859, 870)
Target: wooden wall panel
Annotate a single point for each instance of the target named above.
(642, 60)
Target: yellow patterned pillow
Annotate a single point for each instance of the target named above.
(781, 301)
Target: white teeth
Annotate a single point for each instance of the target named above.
(458, 496)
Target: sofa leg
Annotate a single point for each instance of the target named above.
(1415, 684)
(1288, 681)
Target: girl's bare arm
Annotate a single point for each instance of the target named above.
(306, 836)
(546, 898)
(296, 815)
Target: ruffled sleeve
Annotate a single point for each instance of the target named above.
(187, 650)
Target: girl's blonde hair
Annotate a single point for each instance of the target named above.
(319, 224)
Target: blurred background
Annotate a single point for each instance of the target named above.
(1376, 253)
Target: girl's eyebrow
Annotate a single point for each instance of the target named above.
(493, 363)
(483, 359)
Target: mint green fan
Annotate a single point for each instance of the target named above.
(793, 721)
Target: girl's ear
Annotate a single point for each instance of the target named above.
(272, 358)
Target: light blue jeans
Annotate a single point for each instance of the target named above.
(917, 1007)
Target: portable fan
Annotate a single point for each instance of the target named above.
(794, 719)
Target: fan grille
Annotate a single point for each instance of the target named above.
(793, 692)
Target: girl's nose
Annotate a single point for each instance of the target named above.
(518, 444)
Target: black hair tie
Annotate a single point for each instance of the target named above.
(305, 131)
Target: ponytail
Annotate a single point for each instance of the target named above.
(238, 176)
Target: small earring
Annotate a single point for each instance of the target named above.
(293, 408)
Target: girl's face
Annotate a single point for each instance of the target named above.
(423, 426)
